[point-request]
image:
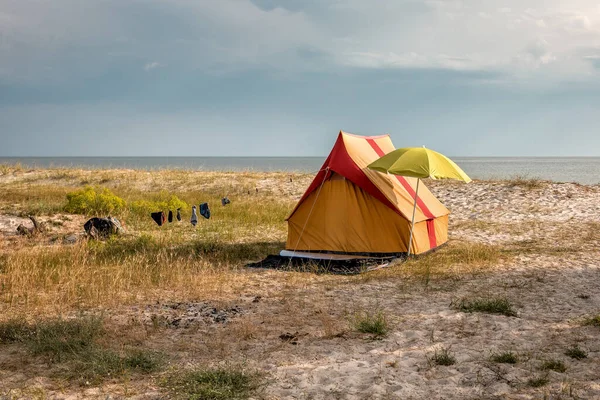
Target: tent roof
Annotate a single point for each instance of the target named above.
(350, 156)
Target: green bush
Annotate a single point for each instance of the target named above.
(89, 201)
(164, 202)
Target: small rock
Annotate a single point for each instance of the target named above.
(71, 239)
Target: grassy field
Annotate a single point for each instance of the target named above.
(101, 314)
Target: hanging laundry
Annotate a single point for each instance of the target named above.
(179, 214)
(204, 210)
(158, 217)
(170, 216)
(194, 219)
(225, 201)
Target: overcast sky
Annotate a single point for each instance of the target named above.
(281, 78)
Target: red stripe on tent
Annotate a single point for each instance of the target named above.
(431, 234)
(411, 192)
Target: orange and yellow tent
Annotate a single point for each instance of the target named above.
(350, 209)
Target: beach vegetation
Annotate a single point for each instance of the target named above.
(592, 321)
(373, 322)
(92, 201)
(493, 305)
(163, 201)
(442, 356)
(74, 345)
(538, 381)
(220, 383)
(507, 357)
(527, 182)
(553, 365)
(576, 352)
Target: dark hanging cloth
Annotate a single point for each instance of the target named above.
(158, 217)
(225, 201)
(204, 210)
(170, 216)
(179, 214)
(194, 219)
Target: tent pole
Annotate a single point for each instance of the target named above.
(412, 222)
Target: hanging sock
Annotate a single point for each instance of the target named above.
(170, 216)
(158, 217)
(179, 214)
(194, 219)
(204, 210)
(225, 201)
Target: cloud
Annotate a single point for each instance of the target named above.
(152, 65)
(67, 40)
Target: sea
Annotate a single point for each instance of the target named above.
(585, 170)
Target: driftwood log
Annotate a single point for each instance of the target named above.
(37, 228)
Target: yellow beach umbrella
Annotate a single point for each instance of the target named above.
(418, 162)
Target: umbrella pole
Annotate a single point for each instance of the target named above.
(412, 222)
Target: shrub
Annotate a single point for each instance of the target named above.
(88, 201)
(507, 357)
(375, 323)
(576, 353)
(538, 381)
(164, 202)
(443, 357)
(553, 365)
(213, 384)
(493, 306)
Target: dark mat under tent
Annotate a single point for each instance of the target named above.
(340, 267)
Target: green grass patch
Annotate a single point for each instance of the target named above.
(592, 321)
(14, 331)
(142, 360)
(99, 363)
(73, 346)
(442, 356)
(500, 306)
(576, 352)
(508, 357)
(538, 381)
(63, 339)
(374, 322)
(222, 383)
(553, 365)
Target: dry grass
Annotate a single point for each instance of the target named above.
(527, 182)
(150, 261)
(456, 261)
(125, 270)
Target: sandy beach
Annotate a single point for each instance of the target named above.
(295, 329)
